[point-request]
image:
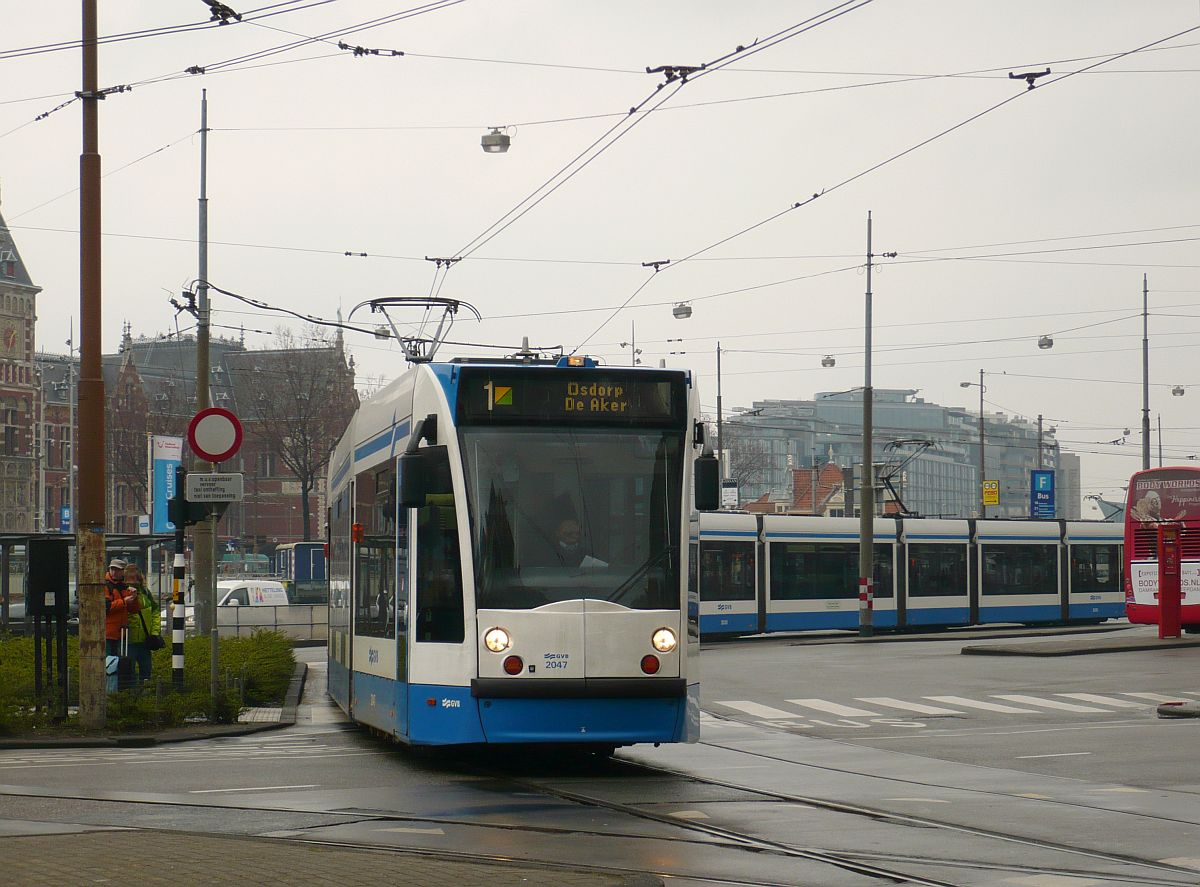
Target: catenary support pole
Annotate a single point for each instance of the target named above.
(982, 454)
(866, 526)
(89, 538)
(1145, 373)
(720, 429)
(205, 534)
(1039, 453)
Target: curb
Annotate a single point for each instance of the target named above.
(291, 699)
(1080, 648)
(287, 718)
(1179, 710)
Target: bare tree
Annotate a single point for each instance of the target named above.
(748, 456)
(125, 433)
(298, 398)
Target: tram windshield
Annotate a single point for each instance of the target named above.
(565, 514)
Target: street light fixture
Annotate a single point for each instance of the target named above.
(682, 311)
(1045, 342)
(1178, 391)
(982, 462)
(828, 361)
(495, 142)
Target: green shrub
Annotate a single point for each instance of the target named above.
(254, 671)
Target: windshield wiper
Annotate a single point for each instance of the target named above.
(621, 590)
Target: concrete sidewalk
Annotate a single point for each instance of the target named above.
(1083, 645)
(56, 855)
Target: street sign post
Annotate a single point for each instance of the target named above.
(1041, 494)
(991, 492)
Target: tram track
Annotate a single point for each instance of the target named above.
(889, 815)
(883, 868)
(861, 863)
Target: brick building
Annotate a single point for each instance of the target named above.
(19, 402)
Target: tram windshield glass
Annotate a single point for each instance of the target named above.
(564, 514)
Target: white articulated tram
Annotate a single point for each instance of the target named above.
(509, 555)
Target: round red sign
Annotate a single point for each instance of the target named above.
(215, 434)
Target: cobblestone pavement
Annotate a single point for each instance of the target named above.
(136, 857)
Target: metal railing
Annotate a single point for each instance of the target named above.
(303, 622)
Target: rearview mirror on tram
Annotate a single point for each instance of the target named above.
(708, 483)
(424, 473)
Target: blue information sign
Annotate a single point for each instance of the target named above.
(1041, 494)
(166, 455)
(64, 519)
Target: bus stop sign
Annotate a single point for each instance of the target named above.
(1041, 494)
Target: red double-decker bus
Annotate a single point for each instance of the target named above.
(1157, 495)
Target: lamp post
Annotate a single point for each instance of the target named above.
(634, 351)
(1046, 342)
(982, 460)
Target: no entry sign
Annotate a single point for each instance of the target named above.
(215, 434)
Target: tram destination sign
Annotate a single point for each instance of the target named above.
(489, 396)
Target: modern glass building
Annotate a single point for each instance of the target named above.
(763, 445)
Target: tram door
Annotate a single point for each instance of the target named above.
(380, 690)
(401, 607)
(340, 601)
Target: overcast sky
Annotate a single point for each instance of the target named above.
(1038, 217)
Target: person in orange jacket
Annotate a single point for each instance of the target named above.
(119, 601)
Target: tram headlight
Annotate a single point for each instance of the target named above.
(497, 640)
(663, 640)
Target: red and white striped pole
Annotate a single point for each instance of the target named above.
(178, 606)
(866, 605)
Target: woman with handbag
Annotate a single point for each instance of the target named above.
(144, 625)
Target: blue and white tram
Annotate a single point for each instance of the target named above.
(765, 573)
(1093, 571)
(508, 555)
(729, 599)
(936, 575)
(812, 573)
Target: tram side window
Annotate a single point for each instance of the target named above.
(693, 590)
(439, 569)
(825, 571)
(375, 567)
(1095, 568)
(727, 571)
(937, 569)
(339, 561)
(1020, 569)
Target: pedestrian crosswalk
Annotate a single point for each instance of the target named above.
(890, 708)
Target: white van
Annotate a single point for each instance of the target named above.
(251, 593)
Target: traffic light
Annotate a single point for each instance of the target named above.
(183, 513)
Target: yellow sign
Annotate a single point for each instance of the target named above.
(991, 492)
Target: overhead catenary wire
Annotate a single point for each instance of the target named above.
(162, 31)
(891, 159)
(637, 114)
